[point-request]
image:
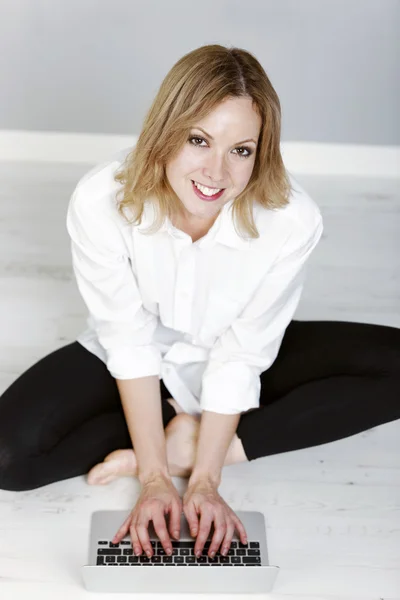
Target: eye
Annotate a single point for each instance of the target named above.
(240, 154)
(195, 138)
(246, 149)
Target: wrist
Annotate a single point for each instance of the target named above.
(149, 476)
(204, 478)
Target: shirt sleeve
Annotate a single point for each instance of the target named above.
(109, 288)
(231, 380)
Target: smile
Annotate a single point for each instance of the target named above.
(205, 193)
(206, 190)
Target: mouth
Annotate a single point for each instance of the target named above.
(205, 193)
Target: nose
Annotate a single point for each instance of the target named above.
(215, 169)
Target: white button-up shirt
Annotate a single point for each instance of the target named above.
(206, 317)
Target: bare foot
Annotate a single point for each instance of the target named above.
(120, 463)
(181, 436)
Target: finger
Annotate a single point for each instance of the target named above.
(122, 531)
(175, 519)
(162, 531)
(190, 513)
(240, 527)
(206, 520)
(230, 530)
(136, 545)
(143, 535)
(219, 533)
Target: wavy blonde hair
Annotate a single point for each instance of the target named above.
(195, 85)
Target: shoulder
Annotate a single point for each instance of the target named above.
(95, 192)
(300, 216)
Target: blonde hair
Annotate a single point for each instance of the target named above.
(195, 85)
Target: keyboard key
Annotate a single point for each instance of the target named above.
(133, 559)
(167, 559)
(109, 551)
(253, 553)
(122, 559)
(114, 545)
(224, 559)
(179, 559)
(202, 559)
(144, 559)
(248, 560)
(100, 560)
(103, 543)
(235, 560)
(254, 544)
(110, 559)
(155, 559)
(128, 552)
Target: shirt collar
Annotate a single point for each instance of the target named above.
(222, 231)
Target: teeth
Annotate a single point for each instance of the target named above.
(205, 190)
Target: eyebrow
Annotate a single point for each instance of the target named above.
(211, 137)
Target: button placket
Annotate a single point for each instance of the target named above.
(185, 278)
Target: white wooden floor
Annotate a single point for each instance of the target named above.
(332, 511)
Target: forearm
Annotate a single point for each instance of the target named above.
(141, 402)
(215, 435)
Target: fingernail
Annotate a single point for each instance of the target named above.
(198, 554)
(176, 534)
(148, 553)
(169, 550)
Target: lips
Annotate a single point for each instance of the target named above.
(202, 196)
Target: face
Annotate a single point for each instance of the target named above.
(219, 153)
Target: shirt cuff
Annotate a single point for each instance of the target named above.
(230, 388)
(133, 362)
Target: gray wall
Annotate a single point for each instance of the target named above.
(95, 65)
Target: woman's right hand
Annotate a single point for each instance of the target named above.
(158, 497)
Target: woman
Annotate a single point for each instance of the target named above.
(190, 254)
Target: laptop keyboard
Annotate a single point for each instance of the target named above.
(121, 554)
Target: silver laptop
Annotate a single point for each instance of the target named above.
(182, 571)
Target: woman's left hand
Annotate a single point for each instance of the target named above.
(202, 498)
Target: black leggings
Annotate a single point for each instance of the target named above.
(329, 381)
